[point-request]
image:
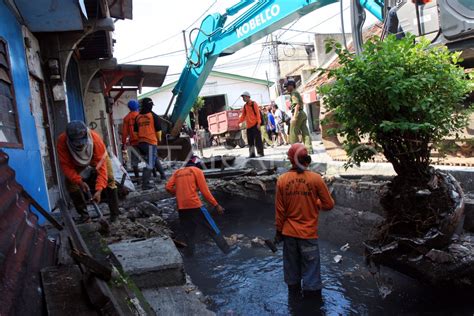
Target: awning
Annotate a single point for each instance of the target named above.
(50, 16)
(121, 9)
(133, 77)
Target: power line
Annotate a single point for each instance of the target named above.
(156, 56)
(260, 57)
(322, 22)
(289, 27)
(172, 36)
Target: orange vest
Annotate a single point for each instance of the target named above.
(127, 129)
(299, 198)
(146, 129)
(185, 184)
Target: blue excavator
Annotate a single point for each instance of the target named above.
(448, 22)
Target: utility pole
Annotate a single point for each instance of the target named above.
(276, 61)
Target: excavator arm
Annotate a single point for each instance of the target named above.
(215, 38)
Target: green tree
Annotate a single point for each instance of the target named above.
(400, 97)
(198, 104)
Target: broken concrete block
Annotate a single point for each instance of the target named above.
(469, 214)
(175, 300)
(148, 209)
(152, 262)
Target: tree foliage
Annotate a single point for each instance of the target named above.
(198, 104)
(399, 96)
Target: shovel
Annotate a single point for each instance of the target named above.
(217, 236)
(105, 227)
(271, 244)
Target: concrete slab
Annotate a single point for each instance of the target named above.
(175, 301)
(469, 214)
(152, 262)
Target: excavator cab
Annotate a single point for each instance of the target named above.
(444, 22)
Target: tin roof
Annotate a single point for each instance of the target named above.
(24, 249)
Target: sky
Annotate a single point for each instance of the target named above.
(157, 25)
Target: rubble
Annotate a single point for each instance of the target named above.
(137, 227)
(258, 242)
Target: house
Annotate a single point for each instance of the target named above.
(304, 69)
(221, 91)
(57, 65)
(313, 102)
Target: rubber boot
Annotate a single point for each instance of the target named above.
(113, 204)
(146, 175)
(80, 205)
(316, 294)
(159, 168)
(136, 171)
(251, 151)
(294, 290)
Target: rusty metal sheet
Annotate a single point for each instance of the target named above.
(24, 249)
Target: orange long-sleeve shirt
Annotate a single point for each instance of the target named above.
(128, 129)
(299, 198)
(249, 115)
(98, 161)
(185, 183)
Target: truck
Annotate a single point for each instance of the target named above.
(448, 22)
(226, 124)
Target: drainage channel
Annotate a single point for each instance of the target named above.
(249, 280)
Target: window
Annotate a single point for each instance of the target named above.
(9, 129)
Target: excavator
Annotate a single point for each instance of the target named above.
(447, 22)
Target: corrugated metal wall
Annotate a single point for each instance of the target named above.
(74, 95)
(24, 249)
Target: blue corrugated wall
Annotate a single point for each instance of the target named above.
(74, 94)
(25, 161)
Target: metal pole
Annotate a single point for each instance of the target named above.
(276, 62)
(342, 23)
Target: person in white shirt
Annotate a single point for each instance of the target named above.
(280, 124)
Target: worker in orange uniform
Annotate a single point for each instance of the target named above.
(185, 184)
(87, 167)
(148, 130)
(251, 116)
(129, 137)
(300, 195)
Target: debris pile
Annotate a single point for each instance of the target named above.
(142, 221)
(245, 241)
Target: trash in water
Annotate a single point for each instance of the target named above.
(439, 256)
(415, 258)
(384, 290)
(258, 242)
(337, 258)
(345, 247)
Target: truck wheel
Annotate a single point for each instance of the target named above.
(241, 143)
(229, 144)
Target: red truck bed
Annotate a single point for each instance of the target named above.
(222, 122)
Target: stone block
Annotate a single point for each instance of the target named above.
(152, 262)
(469, 215)
(175, 300)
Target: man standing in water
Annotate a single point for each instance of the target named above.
(185, 183)
(300, 195)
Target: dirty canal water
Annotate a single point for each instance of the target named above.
(249, 280)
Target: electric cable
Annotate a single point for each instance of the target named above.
(312, 27)
(260, 57)
(156, 56)
(171, 36)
